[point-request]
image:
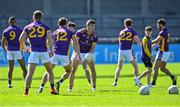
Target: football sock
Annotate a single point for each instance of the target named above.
(52, 86)
(153, 82)
(9, 81)
(61, 80)
(42, 86)
(172, 77)
(70, 87)
(116, 80)
(89, 81)
(26, 91)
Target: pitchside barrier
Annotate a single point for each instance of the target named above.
(108, 54)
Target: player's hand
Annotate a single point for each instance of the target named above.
(27, 50)
(51, 53)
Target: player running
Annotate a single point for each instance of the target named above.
(87, 41)
(126, 38)
(38, 34)
(146, 55)
(163, 52)
(61, 38)
(11, 45)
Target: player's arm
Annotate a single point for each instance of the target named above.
(22, 39)
(136, 38)
(146, 49)
(157, 40)
(50, 42)
(75, 45)
(4, 43)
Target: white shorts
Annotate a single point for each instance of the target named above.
(163, 56)
(64, 59)
(36, 57)
(81, 54)
(14, 55)
(125, 54)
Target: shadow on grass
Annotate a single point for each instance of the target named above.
(83, 77)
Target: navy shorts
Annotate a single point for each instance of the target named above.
(147, 63)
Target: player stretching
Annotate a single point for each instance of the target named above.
(87, 42)
(72, 27)
(62, 39)
(146, 55)
(10, 37)
(38, 34)
(163, 53)
(126, 38)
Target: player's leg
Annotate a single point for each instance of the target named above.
(44, 80)
(75, 63)
(148, 65)
(93, 72)
(84, 65)
(23, 67)
(136, 71)
(117, 72)
(157, 65)
(119, 67)
(135, 66)
(167, 72)
(48, 67)
(10, 72)
(64, 76)
(28, 80)
(149, 75)
(143, 74)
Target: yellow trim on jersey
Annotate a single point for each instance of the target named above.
(162, 45)
(145, 47)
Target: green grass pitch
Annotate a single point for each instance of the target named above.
(125, 94)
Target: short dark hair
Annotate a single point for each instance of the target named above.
(71, 24)
(62, 21)
(128, 22)
(148, 28)
(12, 20)
(38, 14)
(162, 21)
(90, 21)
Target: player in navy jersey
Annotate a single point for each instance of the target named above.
(146, 55)
(163, 52)
(39, 36)
(87, 41)
(61, 42)
(126, 38)
(10, 37)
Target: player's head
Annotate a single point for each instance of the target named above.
(128, 22)
(37, 15)
(71, 26)
(12, 20)
(62, 22)
(90, 24)
(148, 31)
(161, 23)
